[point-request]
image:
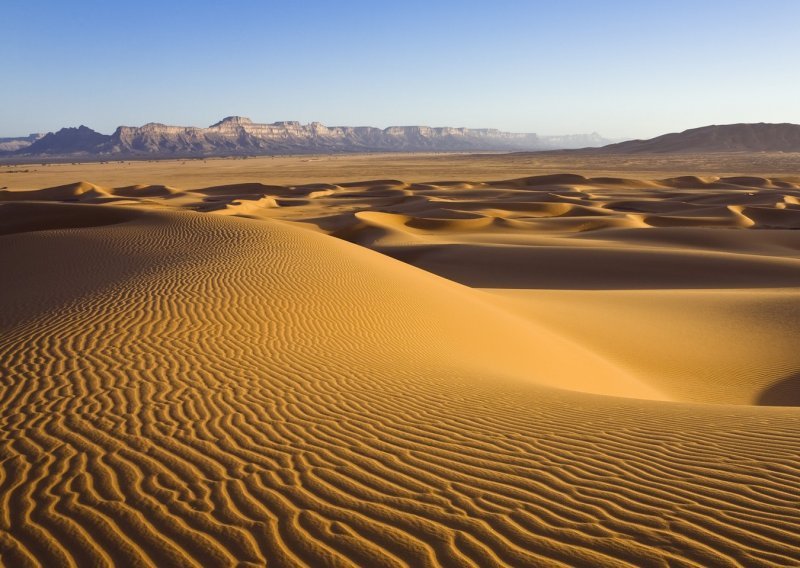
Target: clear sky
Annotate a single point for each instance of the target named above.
(621, 68)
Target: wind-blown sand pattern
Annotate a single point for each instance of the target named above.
(562, 371)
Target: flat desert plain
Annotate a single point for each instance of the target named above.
(401, 361)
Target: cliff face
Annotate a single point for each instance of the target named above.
(237, 135)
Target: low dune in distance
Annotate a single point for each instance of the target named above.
(557, 370)
(413, 167)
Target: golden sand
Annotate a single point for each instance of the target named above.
(545, 371)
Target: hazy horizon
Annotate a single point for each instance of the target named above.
(620, 69)
(258, 121)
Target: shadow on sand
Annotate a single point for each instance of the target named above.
(785, 392)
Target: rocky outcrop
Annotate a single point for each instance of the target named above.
(15, 144)
(236, 135)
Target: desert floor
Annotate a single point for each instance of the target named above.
(304, 361)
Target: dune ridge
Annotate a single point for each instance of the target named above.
(185, 387)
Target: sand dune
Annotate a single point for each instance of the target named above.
(722, 346)
(209, 377)
(79, 191)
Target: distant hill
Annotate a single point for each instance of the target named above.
(759, 137)
(241, 136)
(65, 141)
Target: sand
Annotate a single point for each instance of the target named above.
(556, 370)
(414, 167)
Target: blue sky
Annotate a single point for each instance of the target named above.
(624, 69)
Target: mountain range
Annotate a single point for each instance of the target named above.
(237, 135)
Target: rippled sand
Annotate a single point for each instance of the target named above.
(544, 371)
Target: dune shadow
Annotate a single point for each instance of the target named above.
(25, 217)
(785, 392)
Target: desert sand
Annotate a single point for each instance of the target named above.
(218, 368)
(409, 167)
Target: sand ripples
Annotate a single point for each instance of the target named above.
(204, 391)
